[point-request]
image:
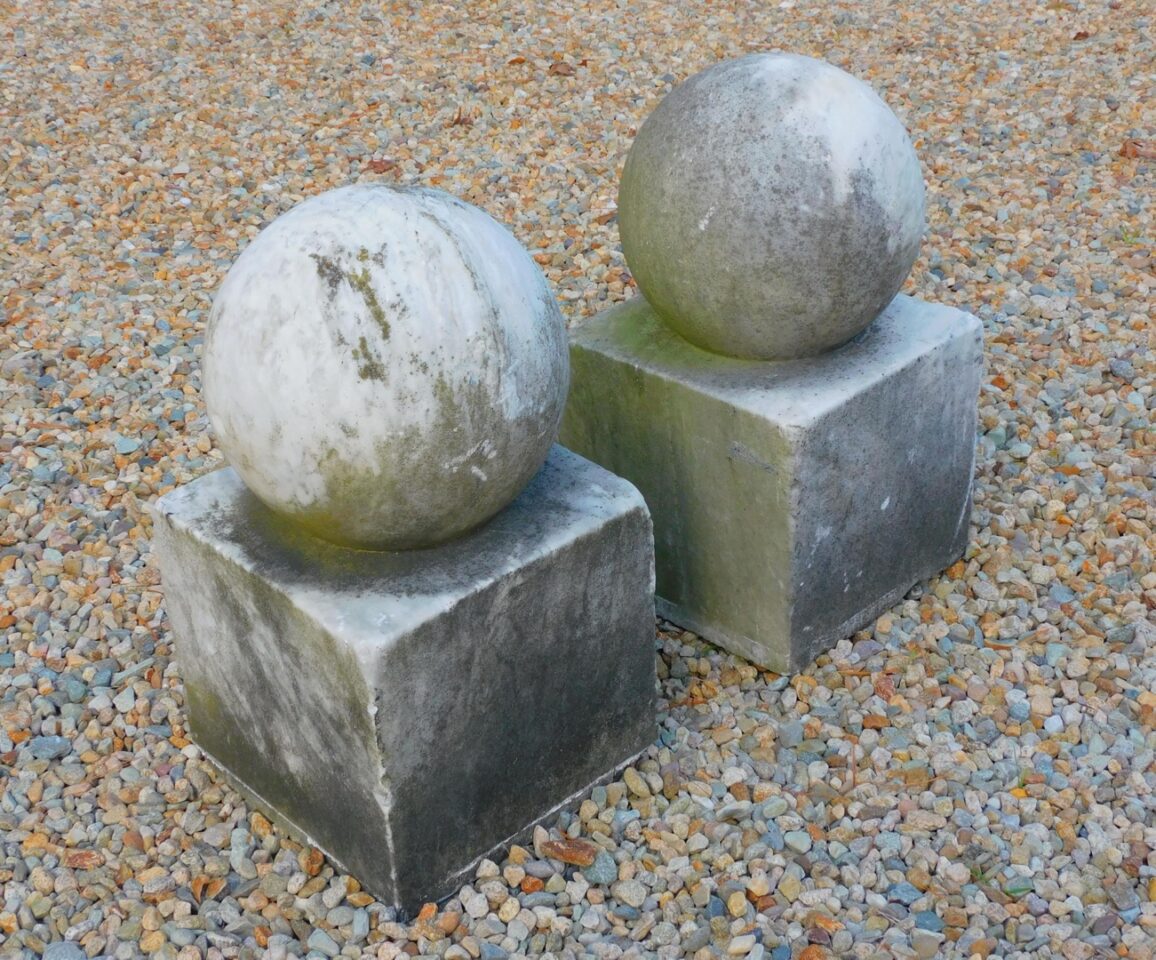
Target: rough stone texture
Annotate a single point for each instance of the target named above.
(387, 366)
(771, 207)
(792, 501)
(410, 712)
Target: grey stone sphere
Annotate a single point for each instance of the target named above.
(385, 367)
(771, 207)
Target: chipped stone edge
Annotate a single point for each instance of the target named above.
(452, 883)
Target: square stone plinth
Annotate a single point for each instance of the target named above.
(792, 501)
(410, 713)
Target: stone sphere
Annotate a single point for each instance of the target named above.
(386, 367)
(771, 207)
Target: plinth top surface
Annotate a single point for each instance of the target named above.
(797, 391)
(567, 499)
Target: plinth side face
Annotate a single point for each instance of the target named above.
(376, 703)
(771, 207)
(789, 508)
(386, 367)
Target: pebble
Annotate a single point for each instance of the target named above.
(323, 943)
(635, 784)
(49, 748)
(925, 944)
(929, 920)
(775, 807)
(790, 888)
(630, 892)
(741, 946)
(603, 871)
(904, 893)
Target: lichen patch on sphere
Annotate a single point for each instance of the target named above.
(360, 282)
(329, 271)
(368, 366)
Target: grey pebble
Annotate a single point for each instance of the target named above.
(603, 870)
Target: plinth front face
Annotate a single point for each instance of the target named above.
(794, 501)
(410, 712)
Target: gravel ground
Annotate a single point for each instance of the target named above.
(972, 776)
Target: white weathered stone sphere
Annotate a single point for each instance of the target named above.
(387, 367)
(771, 207)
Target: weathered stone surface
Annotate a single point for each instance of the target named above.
(385, 366)
(792, 501)
(410, 712)
(771, 207)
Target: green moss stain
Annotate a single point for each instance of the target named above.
(402, 494)
(640, 401)
(443, 392)
(360, 282)
(249, 600)
(222, 722)
(208, 719)
(300, 549)
(369, 367)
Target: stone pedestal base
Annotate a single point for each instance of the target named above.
(792, 501)
(410, 713)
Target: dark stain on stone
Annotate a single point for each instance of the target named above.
(329, 271)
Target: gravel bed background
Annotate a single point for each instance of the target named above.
(972, 776)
